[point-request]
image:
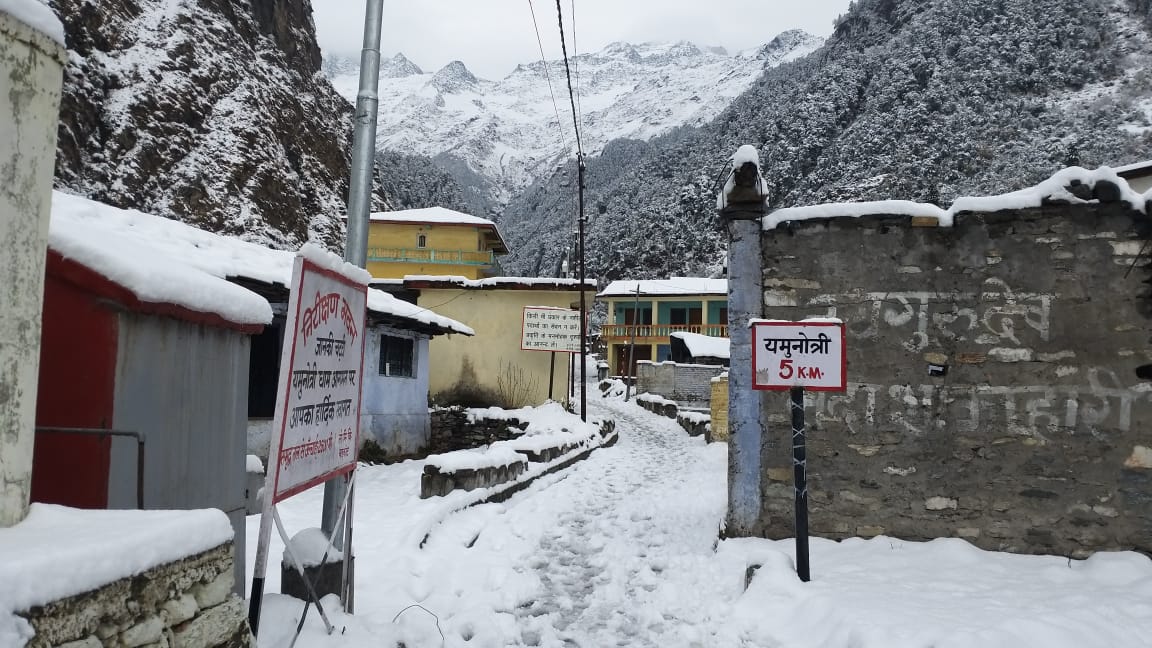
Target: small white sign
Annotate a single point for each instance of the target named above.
(550, 329)
(318, 404)
(808, 354)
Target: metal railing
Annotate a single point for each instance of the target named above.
(427, 255)
(101, 432)
(662, 330)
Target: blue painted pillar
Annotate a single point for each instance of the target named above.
(741, 208)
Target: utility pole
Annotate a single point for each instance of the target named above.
(632, 344)
(583, 305)
(359, 202)
(742, 207)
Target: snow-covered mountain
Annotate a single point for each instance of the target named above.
(508, 131)
(212, 112)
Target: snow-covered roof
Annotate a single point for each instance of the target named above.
(1055, 187)
(430, 215)
(36, 15)
(165, 261)
(666, 287)
(705, 346)
(1136, 168)
(507, 283)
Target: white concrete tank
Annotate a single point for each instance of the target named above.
(32, 59)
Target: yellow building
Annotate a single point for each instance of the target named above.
(492, 365)
(432, 241)
(660, 308)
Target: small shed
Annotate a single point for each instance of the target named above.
(693, 348)
(143, 374)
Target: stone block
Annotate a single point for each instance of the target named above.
(150, 630)
(91, 641)
(180, 609)
(940, 503)
(214, 592)
(214, 627)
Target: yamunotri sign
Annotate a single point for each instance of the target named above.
(808, 354)
(318, 404)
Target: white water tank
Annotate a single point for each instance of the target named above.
(32, 59)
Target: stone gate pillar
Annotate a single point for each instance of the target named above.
(31, 77)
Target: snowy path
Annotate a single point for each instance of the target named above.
(623, 518)
(621, 550)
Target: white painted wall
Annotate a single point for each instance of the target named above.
(31, 76)
(394, 410)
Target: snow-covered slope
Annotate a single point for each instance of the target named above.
(507, 130)
(212, 112)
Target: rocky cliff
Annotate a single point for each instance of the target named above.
(212, 112)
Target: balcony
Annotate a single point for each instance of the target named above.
(426, 255)
(662, 331)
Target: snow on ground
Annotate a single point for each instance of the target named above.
(622, 550)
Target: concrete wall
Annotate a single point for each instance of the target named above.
(185, 388)
(30, 85)
(688, 384)
(1035, 439)
(493, 358)
(394, 409)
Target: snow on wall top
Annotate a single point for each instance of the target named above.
(498, 282)
(431, 215)
(168, 259)
(671, 286)
(1054, 187)
(58, 551)
(705, 346)
(36, 15)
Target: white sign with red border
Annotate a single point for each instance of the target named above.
(317, 415)
(809, 354)
(548, 328)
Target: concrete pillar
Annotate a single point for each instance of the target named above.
(31, 77)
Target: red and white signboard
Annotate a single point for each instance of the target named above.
(808, 354)
(316, 425)
(547, 328)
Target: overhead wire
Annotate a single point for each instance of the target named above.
(547, 75)
(576, 65)
(568, 74)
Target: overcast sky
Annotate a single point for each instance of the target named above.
(492, 36)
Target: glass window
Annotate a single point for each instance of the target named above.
(421, 241)
(397, 355)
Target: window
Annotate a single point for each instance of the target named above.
(685, 315)
(397, 355)
(421, 241)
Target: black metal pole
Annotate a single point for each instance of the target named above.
(800, 466)
(583, 306)
(551, 372)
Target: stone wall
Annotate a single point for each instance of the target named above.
(684, 383)
(452, 430)
(992, 393)
(188, 604)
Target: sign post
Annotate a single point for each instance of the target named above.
(794, 356)
(547, 328)
(317, 419)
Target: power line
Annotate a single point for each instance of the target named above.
(547, 75)
(576, 62)
(571, 93)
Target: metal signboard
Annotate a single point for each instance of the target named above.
(808, 354)
(550, 329)
(316, 424)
